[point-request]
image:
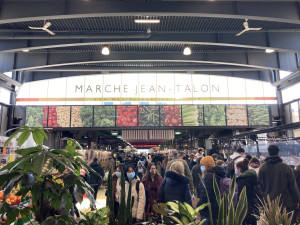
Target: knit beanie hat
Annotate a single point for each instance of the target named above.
(207, 161)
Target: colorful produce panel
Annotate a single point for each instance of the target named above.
(126, 116)
(200, 115)
(236, 115)
(214, 115)
(59, 116)
(148, 116)
(36, 116)
(82, 116)
(258, 115)
(170, 116)
(190, 115)
(104, 116)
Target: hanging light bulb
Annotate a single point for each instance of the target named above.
(105, 51)
(187, 51)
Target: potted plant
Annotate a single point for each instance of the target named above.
(51, 187)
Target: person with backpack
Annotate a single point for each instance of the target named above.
(95, 179)
(247, 178)
(137, 191)
(236, 157)
(196, 171)
(175, 186)
(152, 181)
(209, 171)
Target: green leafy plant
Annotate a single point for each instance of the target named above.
(228, 215)
(273, 213)
(97, 218)
(187, 215)
(125, 210)
(51, 188)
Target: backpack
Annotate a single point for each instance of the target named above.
(146, 193)
(230, 167)
(225, 187)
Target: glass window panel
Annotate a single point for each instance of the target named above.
(295, 112)
(287, 114)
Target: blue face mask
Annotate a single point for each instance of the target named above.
(202, 168)
(118, 174)
(194, 160)
(236, 173)
(130, 176)
(142, 162)
(140, 170)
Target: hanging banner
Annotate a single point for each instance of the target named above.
(146, 89)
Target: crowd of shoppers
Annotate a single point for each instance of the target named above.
(158, 178)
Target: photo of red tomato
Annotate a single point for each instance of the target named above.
(170, 116)
(126, 116)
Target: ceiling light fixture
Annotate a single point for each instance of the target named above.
(25, 50)
(105, 51)
(268, 50)
(187, 51)
(114, 133)
(177, 132)
(146, 21)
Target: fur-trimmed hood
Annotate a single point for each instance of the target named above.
(176, 178)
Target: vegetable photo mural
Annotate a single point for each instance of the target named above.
(36, 116)
(170, 116)
(59, 116)
(236, 115)
(126, 116)
(104, 116)
(258, 115)
(82, 116)
(214, 115)
(148, 116)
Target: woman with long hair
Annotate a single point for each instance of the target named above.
(152, 181)
(137, 191)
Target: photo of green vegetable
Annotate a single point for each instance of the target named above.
(236, 115)
(104, 116)
(258, 115)
(214, 115)
(35, 116)
(190, 115)
(148, 116)
(82, 116)
(200, 115)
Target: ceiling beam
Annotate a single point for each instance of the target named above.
(20, 10)
(285, 42)
(32, 61)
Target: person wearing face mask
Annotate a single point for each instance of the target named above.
(141, 171)
(152, 181)
(196, 171)
(175, 186)
(116, 177)
(110, 165)
(247, 178)
(209, 170)
(137, 191)
(193, 162)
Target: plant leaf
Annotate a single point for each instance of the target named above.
(173, 206)
(27, 151)
(23, 137)
(11, 137)
(230, 216)
(201, 207)
(176, 220)
(11, 184)
(42, 164)
(190, 209)
(38, 137)
(216, 190)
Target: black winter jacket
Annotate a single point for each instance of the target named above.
(277, 178)
(94, 179)
(208, 181)
(249, 180)
(175, 187)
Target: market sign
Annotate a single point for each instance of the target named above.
(146, 88)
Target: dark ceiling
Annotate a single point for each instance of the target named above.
(209, 28)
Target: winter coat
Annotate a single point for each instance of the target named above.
(110, 165)
(277, 178)
(175, 187)
(138, 207)
(234, 159)
(94, 179)
(152, 199)
(192, 164)
(208, 182)
(254, 166)
(187, 171)
(196, 171)
(249, 180)
(297, 176)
